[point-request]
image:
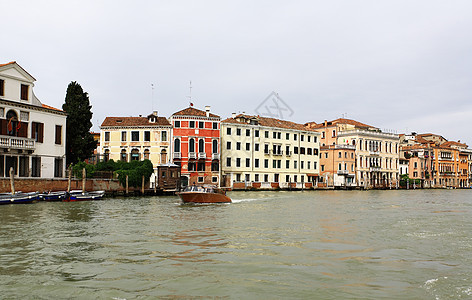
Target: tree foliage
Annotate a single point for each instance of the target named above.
(134, 169)
(79, 141)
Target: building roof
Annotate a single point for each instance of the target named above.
(133, 122)
(269, 122)
(50, 107)
(452, 144)
(191, 111)
(314, 125)
(15, 63)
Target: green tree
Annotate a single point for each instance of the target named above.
(79, 141)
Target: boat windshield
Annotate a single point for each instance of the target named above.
(193, 188)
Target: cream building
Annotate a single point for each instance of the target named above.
(264, 152)
(136, 138)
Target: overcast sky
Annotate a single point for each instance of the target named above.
(397, 65)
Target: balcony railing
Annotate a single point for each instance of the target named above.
(12, 142)
(202, 155)
(375, 169)
(215, 156)
(288, 153)
(374, 152)
(343, 172)
(192, 155)
(177, 155)
(277, 153)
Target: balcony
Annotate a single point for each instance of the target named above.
(192, 155)
(343, 172)
(374, 153)
(375, 169)
(12, 142)
(277, 153)
(215, 156)
(288, 153)
(202, 155)
(177, 155)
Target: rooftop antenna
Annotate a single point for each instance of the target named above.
(190, 96)
(152, 96)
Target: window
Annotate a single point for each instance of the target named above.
(177, 124)
(228, 145)
(107, 136)
(309, 138)
(123, 136)
(309, 151)
(287, 136)
(295, 137)
(201, 124)
(37, 131)
(147, 136)
(326, 154)
(215, 166)
(135, 154)
(248, 146)
(266, 177)
(123, 156)
(163, 136)
(135, 136)
(308, 164)
(274, 135)
(248, 132)
(191, 145)
(36, 166)
(238, 131)
(256, 133)
(58, 139)
(58, 162)
(177, 145)
(266, 163)
(274, 163)
(266, 148)
(302, 137)
(192, 166)
(228, 161)
(200, 179)
(228, 131)
(339, 154)
(2, 88)
(201, 166)
(23, 166)
(238, 177)
(334, 133)
(201, 145)
(192, 124)
(287, 164)
(238, 162)
(256, 177)
(214, 146)
(146, 154)
(248, 162)
(256, 147)
(302, 164)
(24, 92)
(302, 150)
(256, 163)
(295, 164)
(215, 126)
(322, 134)
(266, 134)
(322, 168)
(315, 139)
(238, 145)
(279, 135)
(214, 179)
(295, 150)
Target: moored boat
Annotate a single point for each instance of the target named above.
(78, 195)
(19, 197)
(200, 194)
(54, 196)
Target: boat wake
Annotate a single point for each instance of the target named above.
(245, 200)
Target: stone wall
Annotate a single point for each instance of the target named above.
(44, 185)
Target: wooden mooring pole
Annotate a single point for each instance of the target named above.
(83, 180)
(12, 181)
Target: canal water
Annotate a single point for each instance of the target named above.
(265, 245)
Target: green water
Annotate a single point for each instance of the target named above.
(266, 245)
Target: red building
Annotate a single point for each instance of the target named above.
(196, 145)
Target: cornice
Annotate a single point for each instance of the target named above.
(31, 107)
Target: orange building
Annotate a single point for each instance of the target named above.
(196, 145)
(338, 166)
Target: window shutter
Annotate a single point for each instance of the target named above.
(23, 131)
(3, 127)
(40, 132)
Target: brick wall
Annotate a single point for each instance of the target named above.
(43, 185)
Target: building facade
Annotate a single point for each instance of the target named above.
(338, 166)
(196, 145)
(136, 138)
(32, 134)
(260, 152)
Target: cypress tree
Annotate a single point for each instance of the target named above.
(79, 140)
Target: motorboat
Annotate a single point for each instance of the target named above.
(79, 195)
(202, 194)
(18, 197)
(54, 196)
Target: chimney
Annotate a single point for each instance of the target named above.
(207, 109)
(154, 113)
(326, 123)
(233, 115)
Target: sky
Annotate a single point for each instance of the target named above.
(399, 65)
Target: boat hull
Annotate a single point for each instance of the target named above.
(19, 198)
(96, 195)
(198, 197)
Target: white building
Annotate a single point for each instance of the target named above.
(264, 152)
(32, 135)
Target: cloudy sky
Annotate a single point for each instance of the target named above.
(397, 65)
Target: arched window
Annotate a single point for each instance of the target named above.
(123, 155)
(146, 154)
(215, 146)
(135, 154)
(177, 145)
(201, 145)
(163, 156)
(191, 145)
(12, 123)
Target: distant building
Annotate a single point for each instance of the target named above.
(196, 145)
(376, 151)
(32, 134)
(265, 152)
(338, 166)
(136, 138)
